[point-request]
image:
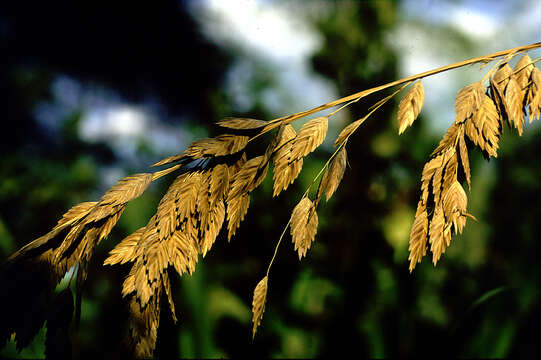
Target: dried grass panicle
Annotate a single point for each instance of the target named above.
(480, 114)
(258, 303)
(217, 178)
(410, 106)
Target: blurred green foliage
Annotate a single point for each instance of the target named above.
(352, 294)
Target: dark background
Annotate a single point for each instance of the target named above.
(353, 293)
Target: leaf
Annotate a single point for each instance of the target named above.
(410, 106)
(258, 304)
(303, 228)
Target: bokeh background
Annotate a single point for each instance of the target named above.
(95, 90)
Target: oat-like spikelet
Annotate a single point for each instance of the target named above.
(533, 96)
(438, 235)
(455, 202)
(225, 144)
(523, 69)
(483, 129)
(242, 123)
(126, 250)
(410, 106)
(303, 228)
(286, 168)
(418, 236)
(514, 97)
(498, 83)
(310, 136)
(333, 175)
(144, 322)
(245, 180)
(258, 303)
(211, 223)
(347, 131)
(237, 208)
(468, 100)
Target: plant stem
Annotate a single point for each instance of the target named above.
(485, 58)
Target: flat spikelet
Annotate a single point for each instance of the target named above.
(418, 237)
(483, 129)
(126, 189)
(468, 100)
(126, 250)
(514, 97)
(333, 175)
(246, 178)
(498, 83)
(237, 208)
(310, 136)
(144, 322)
(523, 69)
(286, 168)
(347, 131)
(258, 304)
(438, 235)
(303, 228)
(455, 202)
(534, 95)
(225, 144)
(410, 106)
(242, 123)
(211, 223)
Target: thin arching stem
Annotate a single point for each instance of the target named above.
(357, 96)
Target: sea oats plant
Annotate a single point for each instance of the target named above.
(215, 178)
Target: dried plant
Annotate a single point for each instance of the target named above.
(215, 178)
